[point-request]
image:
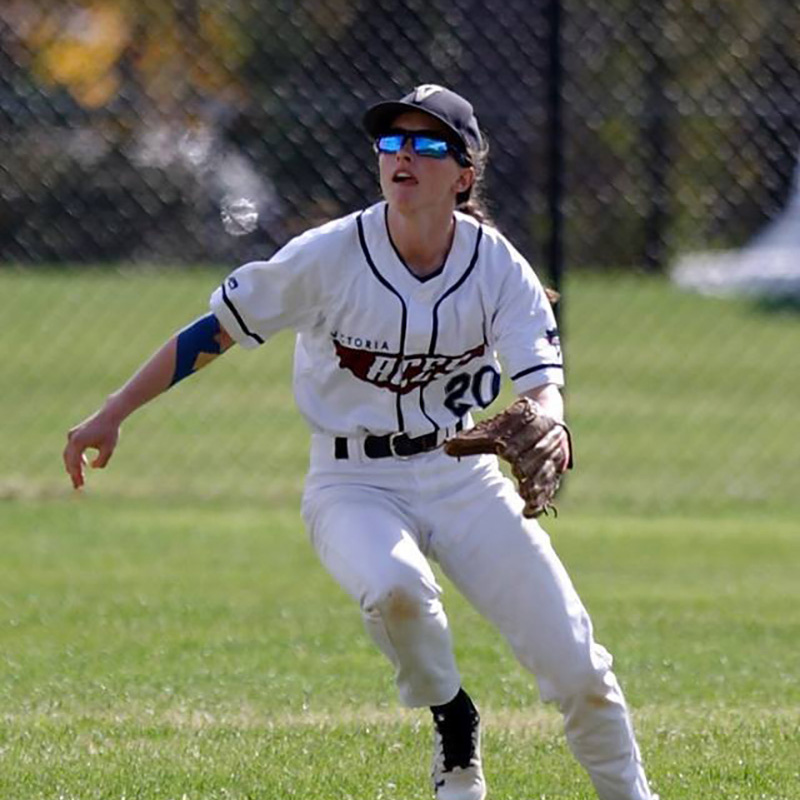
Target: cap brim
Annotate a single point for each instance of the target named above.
(379, 119)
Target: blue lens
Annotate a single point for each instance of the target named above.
(423, 144)
(391, 143)
(428, 146)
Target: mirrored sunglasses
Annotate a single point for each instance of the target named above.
(424, 143)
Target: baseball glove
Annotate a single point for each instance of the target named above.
(527, 439)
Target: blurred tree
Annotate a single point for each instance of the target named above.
(681, 126)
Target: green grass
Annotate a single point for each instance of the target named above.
(678, 403)
(170, 634)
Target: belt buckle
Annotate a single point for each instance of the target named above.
(392, 439)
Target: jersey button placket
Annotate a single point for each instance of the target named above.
(418, 338)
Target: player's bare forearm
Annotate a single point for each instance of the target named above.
(184, 354)
(549, 398)
(192, 348)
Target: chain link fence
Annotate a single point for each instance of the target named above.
(169, 135)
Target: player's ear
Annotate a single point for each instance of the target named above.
(465, 179)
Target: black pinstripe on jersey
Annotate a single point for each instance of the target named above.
(453, 288)
(435, 321)
(433, 422)
(238, 317)
(403, 316)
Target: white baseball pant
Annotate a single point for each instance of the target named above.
(374, 524)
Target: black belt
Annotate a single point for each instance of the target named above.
(400, 445)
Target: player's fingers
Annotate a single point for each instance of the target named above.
(104, 452)
(74, 461)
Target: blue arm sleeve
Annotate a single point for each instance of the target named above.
(197, 344)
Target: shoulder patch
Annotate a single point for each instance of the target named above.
(554, 339)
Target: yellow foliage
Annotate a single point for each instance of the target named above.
(79, 48)
(82, 54)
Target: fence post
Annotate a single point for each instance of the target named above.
(656, 139)
(555, 151)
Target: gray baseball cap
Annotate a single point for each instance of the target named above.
(443, 104)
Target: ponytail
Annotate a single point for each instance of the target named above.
(471, 201)
(475, 207)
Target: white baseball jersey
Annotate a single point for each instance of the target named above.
(381, 350)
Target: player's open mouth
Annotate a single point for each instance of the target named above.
(403, 177)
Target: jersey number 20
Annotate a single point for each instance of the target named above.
(485, 386)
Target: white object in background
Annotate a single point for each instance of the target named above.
(768, 266)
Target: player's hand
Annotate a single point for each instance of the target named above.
(99, 432)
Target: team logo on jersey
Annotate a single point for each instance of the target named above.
(422, 93)
(554, 339)
(400, 374)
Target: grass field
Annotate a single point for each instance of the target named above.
(169, 634)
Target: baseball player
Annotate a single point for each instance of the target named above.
(404, 313)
